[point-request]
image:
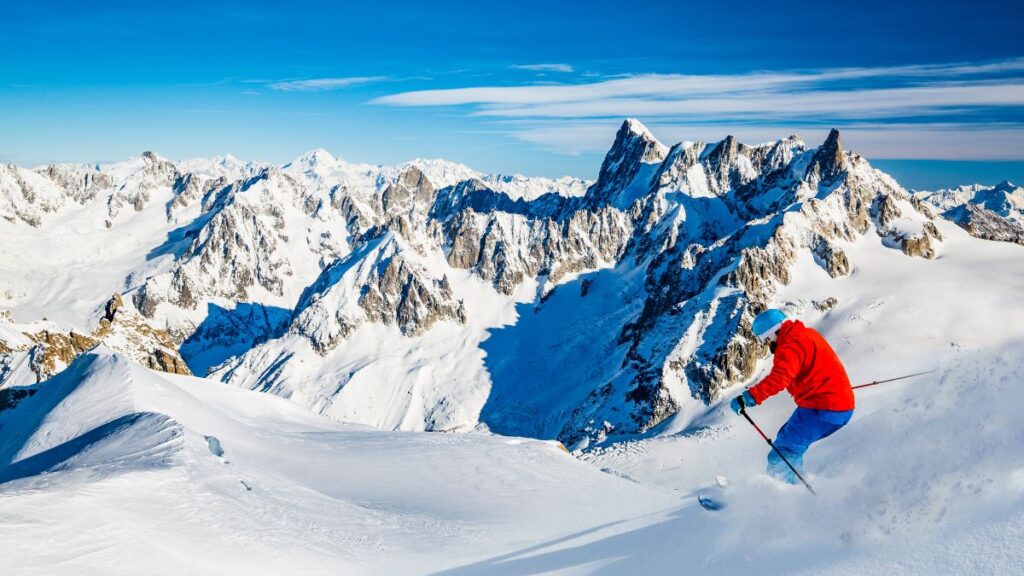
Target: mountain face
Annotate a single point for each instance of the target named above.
(428, 296)
(669, 255)
(992, 213)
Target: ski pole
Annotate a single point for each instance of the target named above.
(743, 411)
(876, 382)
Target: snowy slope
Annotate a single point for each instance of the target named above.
(135, 471)
(927, 479)
(139, 472)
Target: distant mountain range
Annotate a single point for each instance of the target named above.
(429, 296)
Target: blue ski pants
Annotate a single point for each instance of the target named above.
(805, 427)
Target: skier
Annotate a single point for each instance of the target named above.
(806, 367)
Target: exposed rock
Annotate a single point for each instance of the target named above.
(49, 350)
(826, 304)
(53, 351)
(885, 211)
(165, 361)
(138, 190)
(832, 259)
(829, 161)
(634, 146)
(10, 397)
(982, 223)
(728, 166)
(513, 241)
(113, 305)
(399, 295)
(919, 246)
(992, 213)
(382, 282)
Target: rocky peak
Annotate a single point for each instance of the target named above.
(45, 349)
(677, 161)
(413, 177)
(992, 213)
(410, 194)
(634, 146)
(728, 165)
(828, 163)
(724, 152)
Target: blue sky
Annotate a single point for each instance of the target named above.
(932, 92)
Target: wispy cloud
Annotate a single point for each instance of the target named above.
(543, 67)
(324, 84)
(868, 103)
(898, 103)
(939, 140)
(668, 93)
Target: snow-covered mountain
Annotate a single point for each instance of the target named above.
(212, 252)
(671, 252)
(428, 296)
(993, 213)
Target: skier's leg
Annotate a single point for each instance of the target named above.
(830, 420)
(792, 441)
(804, 427)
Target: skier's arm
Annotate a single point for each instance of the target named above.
(788, 359)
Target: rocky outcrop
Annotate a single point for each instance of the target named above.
(382, 282)
(26, 196)
(53, 351)
(112, 306)
(920, 245)
(826, 304)
(237, 249)
(49, 350)
(399, 295)
(832, 259)
(506, 242)
(136, 192)
(165, 361)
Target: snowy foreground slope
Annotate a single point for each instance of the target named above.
(116, 472)
(113, 471)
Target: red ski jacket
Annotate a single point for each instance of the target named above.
(806, 367)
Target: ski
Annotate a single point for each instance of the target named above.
(710, 503)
